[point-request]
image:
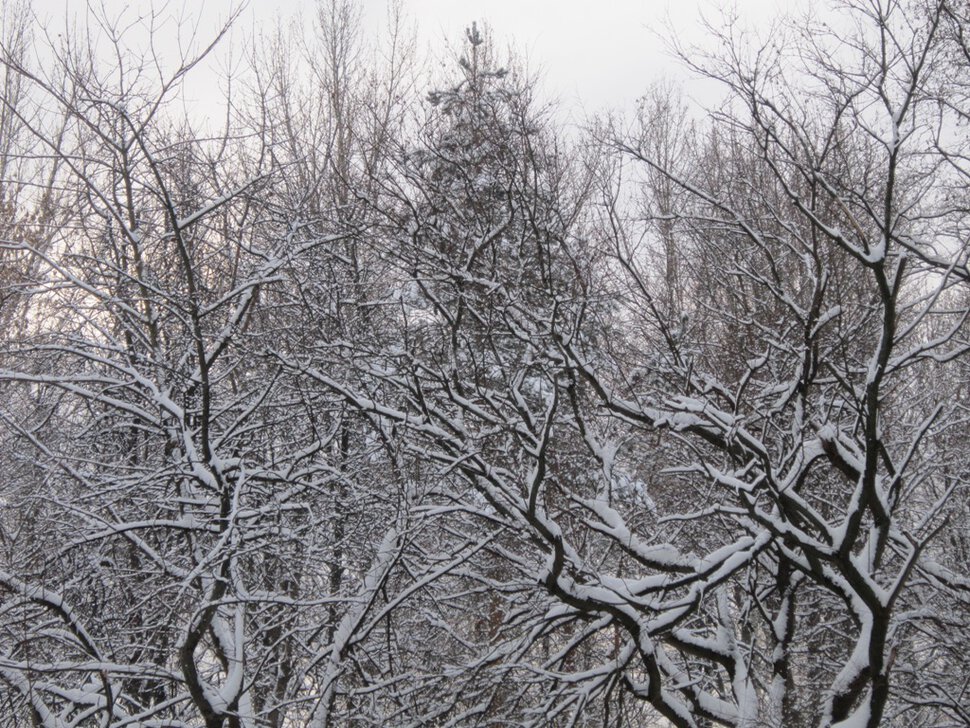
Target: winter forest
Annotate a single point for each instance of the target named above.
(386, 398)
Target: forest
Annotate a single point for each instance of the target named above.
(386, 398)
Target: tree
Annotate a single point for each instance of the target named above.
(801, 505)
(828, 296)
(368, 410)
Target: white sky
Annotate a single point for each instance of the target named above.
(592, 56)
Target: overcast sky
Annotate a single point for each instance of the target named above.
(591, 56)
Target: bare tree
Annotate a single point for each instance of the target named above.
(367, 409)
(773, 570)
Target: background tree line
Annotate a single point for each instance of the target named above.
(368, 406)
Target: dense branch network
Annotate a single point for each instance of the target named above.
(376, 407)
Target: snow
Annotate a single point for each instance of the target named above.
(214, 204)
(827, 316)
(384, 558)
(662, 556)
(859, 718)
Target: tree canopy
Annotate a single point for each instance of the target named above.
(381, 407)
